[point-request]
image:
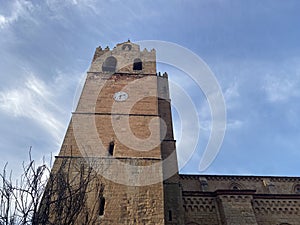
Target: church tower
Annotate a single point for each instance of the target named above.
(119, 149)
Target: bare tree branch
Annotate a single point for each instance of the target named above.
(60, 197)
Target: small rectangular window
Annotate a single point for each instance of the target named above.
(170, 215)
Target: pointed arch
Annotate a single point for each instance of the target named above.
(236, 186)
(137, 64)
(109, 64)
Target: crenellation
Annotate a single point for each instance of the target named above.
(125, 54)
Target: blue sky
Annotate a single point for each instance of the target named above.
(252, 47)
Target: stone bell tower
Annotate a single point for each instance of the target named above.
(122, 129)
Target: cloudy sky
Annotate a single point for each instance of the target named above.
(252, 47)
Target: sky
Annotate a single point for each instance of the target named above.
(252, 48)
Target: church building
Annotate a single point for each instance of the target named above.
(119, 154)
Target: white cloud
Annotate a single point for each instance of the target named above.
(234, 124)
(57, 4)
(33, 101)
(37, 86)
(280, 89)
(231, 92)
(20, 8)
(3, 21)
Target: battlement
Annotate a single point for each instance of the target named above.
(125, 57)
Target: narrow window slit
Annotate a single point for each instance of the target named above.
(111, 148)
(170, 215)
(101, 206)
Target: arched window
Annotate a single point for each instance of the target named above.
(109, 64)
(111, 148)
(297, 189)
(235, 186)
(101, 206)
(137, 64)
(126, 47)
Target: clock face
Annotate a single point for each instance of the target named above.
(120, 96)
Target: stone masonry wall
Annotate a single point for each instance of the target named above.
(200, 209)
(271, 210)
(124, 204)
(229, 200)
